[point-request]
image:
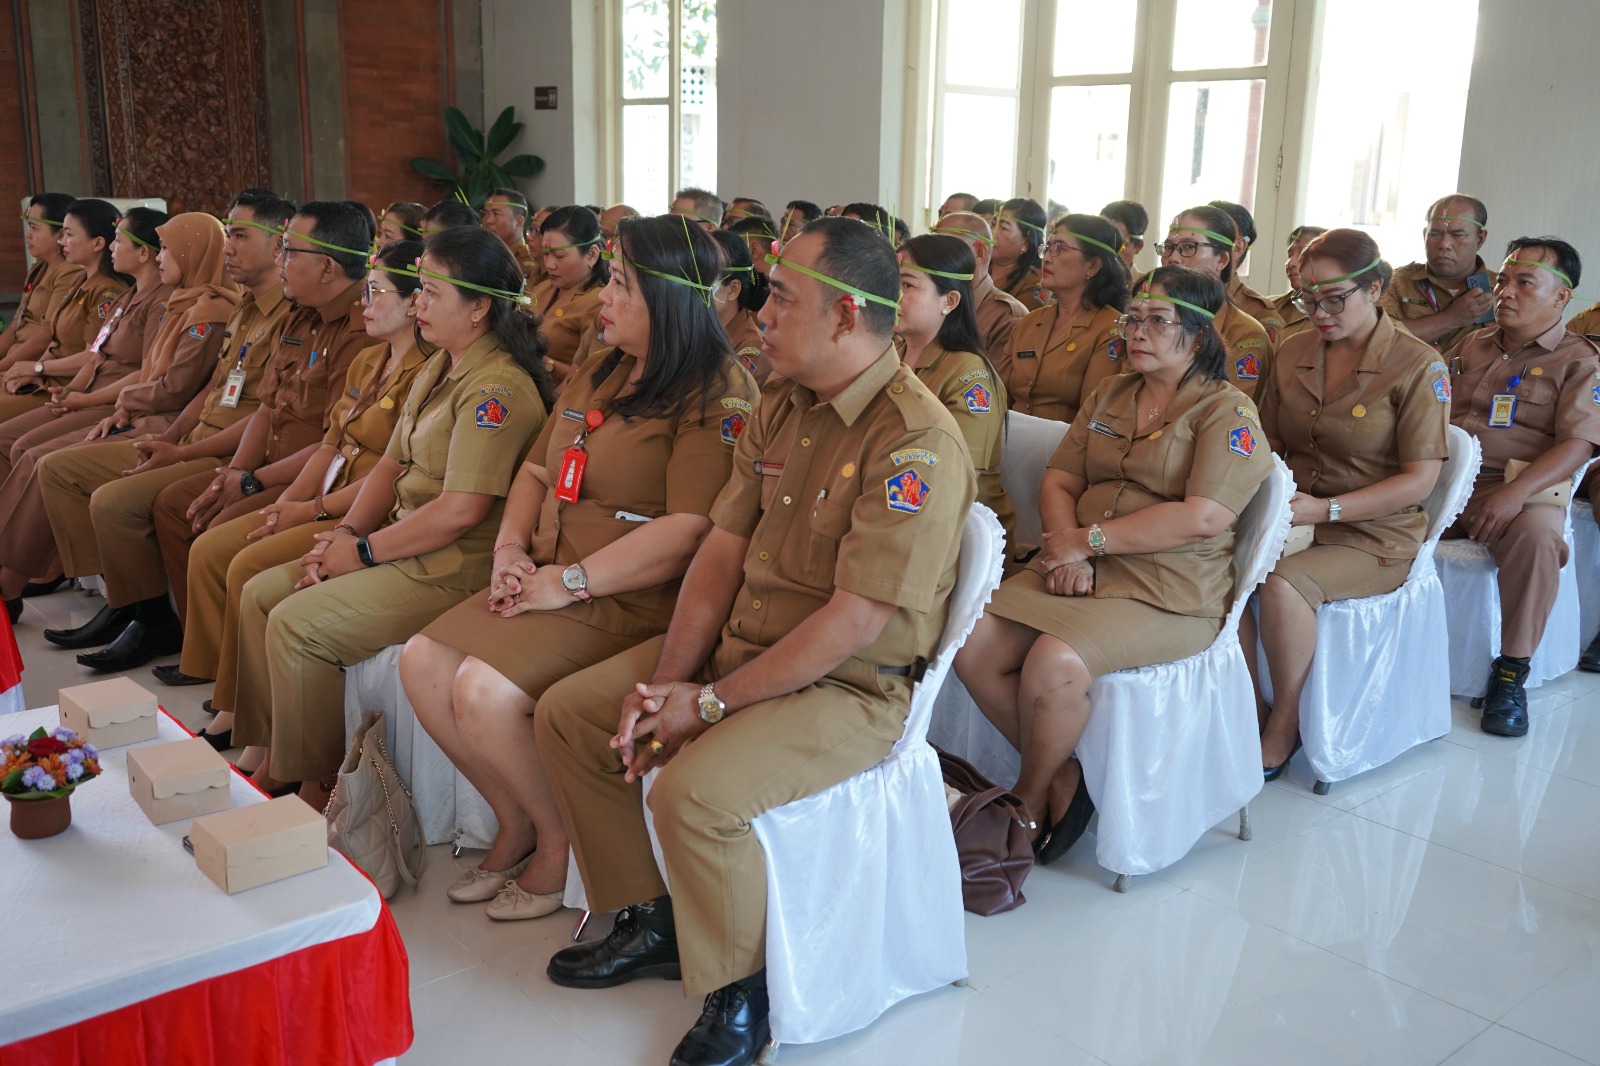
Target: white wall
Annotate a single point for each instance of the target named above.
(1528, 150)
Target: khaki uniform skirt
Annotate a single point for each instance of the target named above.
(534, 650)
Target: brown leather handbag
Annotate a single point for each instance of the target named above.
(991, 828)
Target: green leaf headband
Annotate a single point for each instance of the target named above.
(908, 263)
(276, 231)
(48, 222)
(283, 231)
(1085, 238)
(615, 255)
(1003, 216)
(1211, 316)
(506, 203)
(1541, 266)
(1456, 218)
(520, 298)
(952, 231)
(580, 244)
(1213, 234)
(696, 215)
(857, 294)
(128, 233)
(1342, 277)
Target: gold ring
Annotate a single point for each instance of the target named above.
(657, 747)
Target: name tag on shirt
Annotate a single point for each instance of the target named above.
(1502, 410)
(573, 413)
(766, 469)
(1027, 353)
(1097, 426)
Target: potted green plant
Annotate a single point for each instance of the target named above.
(476, 153)
(38, 774)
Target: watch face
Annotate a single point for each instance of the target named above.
(572, 579)
(711, 710)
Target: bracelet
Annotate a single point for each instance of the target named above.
(322, 514)
(348, 528)
(510, 544)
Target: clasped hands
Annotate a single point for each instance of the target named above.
(519, 585)
(1064, 561)
(657, 721)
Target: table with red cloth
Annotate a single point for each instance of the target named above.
(115, 949)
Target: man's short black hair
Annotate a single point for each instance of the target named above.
(448, 214)
(266, 206)
(341, 223)
(517, 201)
(1567, 260)
(858, 255)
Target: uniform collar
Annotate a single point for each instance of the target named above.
(1549, 340)
(475, 354)
(1122, 415)
(343, 304)
(981, 292)
(274, 299)
(1378, 346)
(854, 397)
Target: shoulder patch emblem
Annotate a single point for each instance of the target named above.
(492, 414)
(733, 403)
(747, 359)
(1250, 342)
(1437, 367)
(496, 390)
(907, 492)
(1272, 332)
(977, 398)
(974, 375)
(1247, 368)
(105, 308)
(913, 455)
(200, 330)
(1596, 394)
(1114, 349)
(1242, 442)
(1441, 391)
(732, 426)
(1247, 414)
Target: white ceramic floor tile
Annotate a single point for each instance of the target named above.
(475, 1016)
(1502, 1047)
(1565, 1013)
(1505, 812)
(1276, 815)
(1190, 981)
(1416, 762)
(1472, 934)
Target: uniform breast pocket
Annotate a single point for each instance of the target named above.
(1537, 391)
(826, 526)
(430, 443)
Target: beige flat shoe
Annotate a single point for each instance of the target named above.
(478, 885)
(515, 905)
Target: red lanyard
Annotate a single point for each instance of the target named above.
(569, 479)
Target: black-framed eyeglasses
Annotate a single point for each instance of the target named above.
(1181, 248)
(286, 251)
(1331, 304)
(1060, 248)
(1158, 327)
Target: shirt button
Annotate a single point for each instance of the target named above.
(1072, 347)
(805, 442)
(764, 556)
(787, 500)
(1313, 412)
(897, 388)
(755, 605)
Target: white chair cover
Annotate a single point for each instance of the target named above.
(863, 881)
(1586, 564)
(1472, 598)
(1378, 684)
(1029, 443)
(449, 808)
(1171, 750)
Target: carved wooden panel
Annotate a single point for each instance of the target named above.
(176, 98)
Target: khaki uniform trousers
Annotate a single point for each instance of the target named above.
(91, 503)
(221, 560)
(1529, 556)
(294, 646)
(174, 534)
(26, 543)
(12, 406)
(703, 801)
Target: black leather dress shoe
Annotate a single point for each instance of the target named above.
(101, 629)
(641, 944)
(222, 741)
(42, 588)
(171, 675)
(732, 1026)
(14, 609)
(1505, 705)
(1059, 838)
(137, 644)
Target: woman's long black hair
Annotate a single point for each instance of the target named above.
(1031, 221)
(1109, 286)
(1203, 290)
(950, 255)
(739, 265)
(579, 225)
(99, 219)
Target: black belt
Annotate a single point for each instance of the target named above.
(916, 671)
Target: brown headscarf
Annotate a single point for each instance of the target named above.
(203, 293)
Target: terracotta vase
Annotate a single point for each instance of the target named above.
(35, 819)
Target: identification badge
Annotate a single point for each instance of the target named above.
(105, 331)
(1502, 410)
(332, 475)
(1097, 426)
(570, 479)
(234, 388)
(1027, 353)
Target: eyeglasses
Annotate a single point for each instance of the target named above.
(286, 251)
(370, 292)
(1060, 248)
(1183, 249)
(1330, 305)
(1158, 327)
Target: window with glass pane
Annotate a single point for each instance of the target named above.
(1215, 34)
(1088, 145)
(980, 139)
(645, 178)
(646, 39)
(1379, 166)
(1094, 36)
(982, 39)
(697, 96)
(1213, 145)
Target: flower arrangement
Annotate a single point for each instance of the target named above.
(45, 765)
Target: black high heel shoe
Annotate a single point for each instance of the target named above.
(1272, 773)
(1059, 838)
(14, 609)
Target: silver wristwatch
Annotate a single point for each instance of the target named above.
(1333, 509)
(575, 579)
(711, 708)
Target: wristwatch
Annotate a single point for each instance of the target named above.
(1333, 509)
(575, 579)
(322, 514)
(364, 552)
(1097, 539)
(38, 368)
(711, 708)
(249, 484)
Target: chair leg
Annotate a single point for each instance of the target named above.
(1321, 787)
(583, 921)
(456, 849)
(962, 982)
(1246, 832)
(1121, 883)
(768, 1053)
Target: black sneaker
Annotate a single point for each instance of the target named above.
(732, 1028)
(642, 943)
(1505, 705)
(1589, 661)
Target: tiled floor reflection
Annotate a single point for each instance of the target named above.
(1442, 909)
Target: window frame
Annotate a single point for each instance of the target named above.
(616, 78)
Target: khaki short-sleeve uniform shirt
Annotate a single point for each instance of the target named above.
(306, 373)
(1557, 399)
(1249, 348)
(965, 384)
(118, 348)
(47, 285)
(1292, 318)
(248, 342)
(1049, 378)
(745, 336)
(1207, 443)
(998, 314)
(567, 315)
(1026, 290)
(78, 317)
(1414, 293)
(1257, 306)
(1586, 323)
(638, 468)
(464, 428)
(364, 416)
(866, 492)
(1394, 408)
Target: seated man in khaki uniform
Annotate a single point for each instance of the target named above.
(1447, 297)
(1530, 392)
(505, 214)
(802, 625)
(998, 311)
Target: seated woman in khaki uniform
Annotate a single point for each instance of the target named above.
(1358, 409)
(569, 295)
(599, 527)
(49, 280)
(1019, 230)
(741, 292)
(419, 536)
(1139, 505)
(1204, 238)
(327, 484)
(400, 221)
(939, 331)
(1059, 352)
